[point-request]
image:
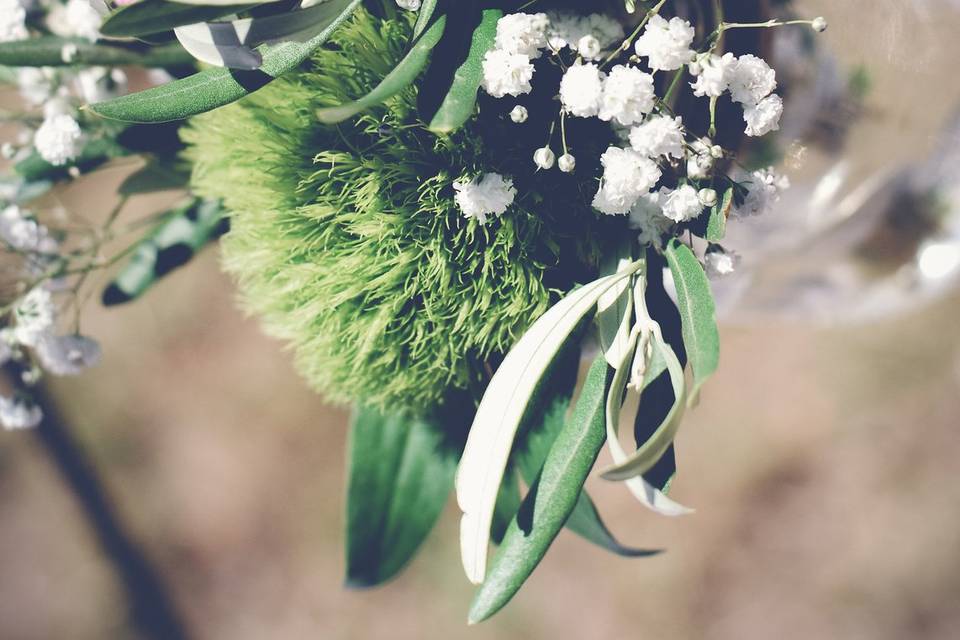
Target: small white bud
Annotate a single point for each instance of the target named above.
(544, 158)
(708, 197)
(695, 68)
(589, 47)
(716, 152)
(8, 151)
(68, 53)
(819, 24)
(519, 114)
(567, 163)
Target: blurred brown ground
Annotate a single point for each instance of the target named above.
(822, 464)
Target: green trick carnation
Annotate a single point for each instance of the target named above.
(349, 244)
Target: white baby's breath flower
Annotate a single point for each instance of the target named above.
(719, 264)
(507, 73)
(544, 158)
(23, 233)
(76, 19)
(519, 114)
(523, 33)
(34, 315)
(700, 159)
(751, 80)
(764, 117)
(647, 219)
(708, 197)
(409, 5)
(16, 413)
(98, 84)
(567, 29)
(581, 90)
(13, 19)
(659, 136)
(666, 44)
(35, 83)
(67, 355)
(680, 204)
(628, 95)
(490, 195)
(627, 175)
(763, 192)
(714, 75)
(589, 47)
(58, 140)
(567, 163)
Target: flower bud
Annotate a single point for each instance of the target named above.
(589, 47)
(567, 163)
(819, 24)
(716, 152)
(544, 158)
(708, 197)
(519, 114)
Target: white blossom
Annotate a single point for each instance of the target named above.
(647, 219)
(507, 73)
(714, 75)
(544, 158)
(581, 90)
(76, 19)
(719, 264)
(819, 24)
(24, 233)
(58, 140)
(659, 136)
(567, 29)
(12, 21)
(627, 175)
(589, 47)
(35, 83)
(67, 355)
(700, 158)
(16, 413)
(764, 117)
(567, 163)
(98, 84)
(35, 315)
(708, 197)
(523, 33)
(763, 192)
(666, 44)
(628, 95)
(409, 5)
(751, 80)
(519, 114)
(490, 195)
(680, 204)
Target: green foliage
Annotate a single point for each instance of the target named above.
(347, 241)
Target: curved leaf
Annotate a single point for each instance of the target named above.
(47, 51)
(551, 500)
(399, 479)
(214, 88)
(697, 312)
(396, 81)
(717, 225)
(459, 103)
(156, 16)
(501, 410)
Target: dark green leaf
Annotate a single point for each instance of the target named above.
(396, 81)
(551, 500)
(425, 15)
(94, 154)
(172, 244)
(697, 312)
(508, 503)
(717, 226)
(154, 16)
(586, 522)
(156, 176)
(399, 479)
(214, 88)
(460, 100)
(47, 51)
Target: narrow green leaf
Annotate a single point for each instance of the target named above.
(717, 225)
(508, 503)
(396, 81)
(173, 243)
(551, 500)
(156, 16)
(501, 410)
(47, 51)
(399, 479)
(94, 153)
(585, 521)
(214, 88)
(697, 312)
(424, 16)
(157, 175)
(459, 103)
(615, 307)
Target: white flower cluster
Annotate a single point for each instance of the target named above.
(751, 82)
(31, 320)
(76, 19)
(491, 194)
(13, 21)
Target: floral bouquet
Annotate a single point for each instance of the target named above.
(443, 207)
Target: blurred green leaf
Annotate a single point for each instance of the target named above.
(400, 477)
(508, 503)
(155, 16)
(697, 312)
(157, 175)
(212, 88)
(47, 51)
(94, 153)
(717, 226)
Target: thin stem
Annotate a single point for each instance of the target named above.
(629, 41)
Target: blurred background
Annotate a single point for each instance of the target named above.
(821, 460)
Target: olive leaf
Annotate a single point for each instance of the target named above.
(396, 81)
(212, 88)
(508, 503)
(501, 410)
(94, 153)
(400, 476)
(615, 307)
(717, 224)
(460, 100)
(156, 16)
(697, 312)
(551, 499)
(47, 51)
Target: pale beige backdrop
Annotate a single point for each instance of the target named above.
(822, 463)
